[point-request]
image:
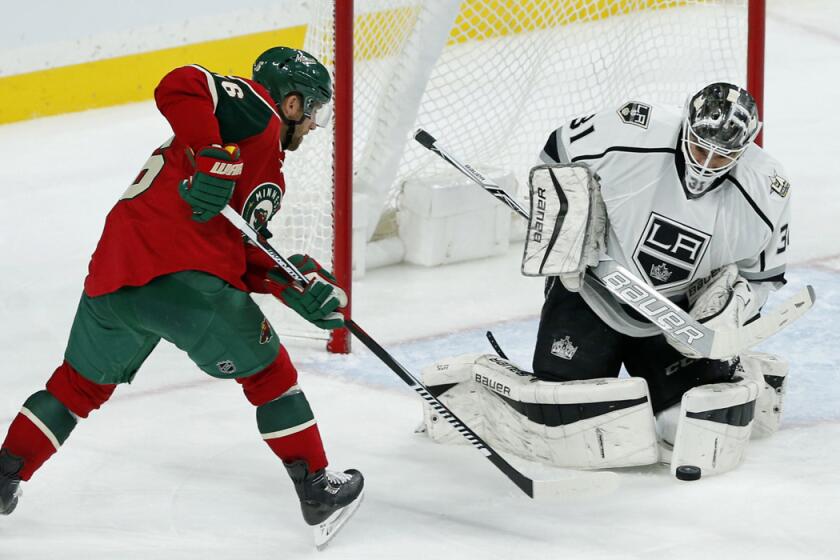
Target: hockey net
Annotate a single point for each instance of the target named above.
(491, 79)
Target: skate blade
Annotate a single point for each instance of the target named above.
(326, 531)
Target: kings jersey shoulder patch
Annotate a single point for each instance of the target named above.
(635, 113)
(779, 185)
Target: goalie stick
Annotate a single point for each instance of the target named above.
(710, 343)
(495, 345)
(533, 488)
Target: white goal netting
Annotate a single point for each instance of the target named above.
(491, 79)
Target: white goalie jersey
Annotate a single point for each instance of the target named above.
(655, 229)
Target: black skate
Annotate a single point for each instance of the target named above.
(327, 499)
(10, 467)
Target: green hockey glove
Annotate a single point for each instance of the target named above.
(319, 302)
(211, 186)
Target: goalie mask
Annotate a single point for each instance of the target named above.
(721, 120)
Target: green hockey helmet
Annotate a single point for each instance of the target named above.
(284, 71)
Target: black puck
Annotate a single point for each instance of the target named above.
(688, 472)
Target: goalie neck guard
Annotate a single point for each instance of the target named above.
(721, 121)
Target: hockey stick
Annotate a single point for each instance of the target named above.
(495, 345)
(533, 488)
(663, 313)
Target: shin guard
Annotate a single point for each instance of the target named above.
(288, 427)
(284, 417)
(47, 417)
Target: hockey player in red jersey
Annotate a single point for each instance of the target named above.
(167, 266)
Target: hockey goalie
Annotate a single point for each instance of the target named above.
(691, 204)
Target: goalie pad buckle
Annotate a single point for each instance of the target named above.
(567, 224)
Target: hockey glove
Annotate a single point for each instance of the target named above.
(211, 187)
(722, 300)
(319, 301)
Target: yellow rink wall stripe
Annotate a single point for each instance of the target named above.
(130, 78)
(485, 19)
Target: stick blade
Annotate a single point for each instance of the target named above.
(742, 338)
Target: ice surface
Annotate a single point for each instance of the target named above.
(173, 467)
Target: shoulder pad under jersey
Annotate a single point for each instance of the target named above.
(240, 109)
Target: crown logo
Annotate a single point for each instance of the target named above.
(564, 348)
(660, 272)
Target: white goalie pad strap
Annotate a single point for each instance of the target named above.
(591, 424)
(714, 427)
(770, 374)
(567, 226)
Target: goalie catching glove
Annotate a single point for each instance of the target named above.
(723, 300)
(568, 223)
(210, 188)
(319, 302)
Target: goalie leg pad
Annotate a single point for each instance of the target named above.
(596, 423)
(714, 426)
(770, 374)
(589, 424)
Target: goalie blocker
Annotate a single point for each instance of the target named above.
(608, 422)
(568, 223)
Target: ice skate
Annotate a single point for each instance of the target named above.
(10, 467)
(327, 499)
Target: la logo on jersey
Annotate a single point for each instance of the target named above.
(261, 205)
(669, 252)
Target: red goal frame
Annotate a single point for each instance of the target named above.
(339, 340)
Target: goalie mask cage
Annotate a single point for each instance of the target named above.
(490, 78)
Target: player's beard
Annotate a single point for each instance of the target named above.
(295, 141)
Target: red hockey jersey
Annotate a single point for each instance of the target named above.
(150, 231)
